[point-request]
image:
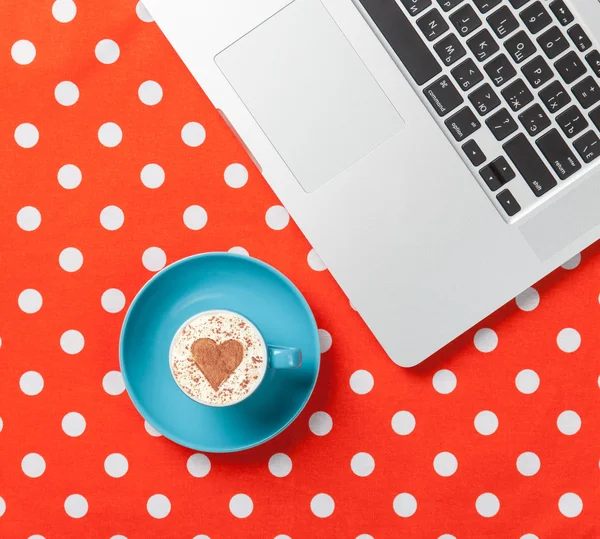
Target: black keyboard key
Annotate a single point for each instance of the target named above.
(570, 67)
(463, 124)
(537, 72)
(467, 74)
(484, 99)
(501, 124)
(562, 12)
(558, 154)
(534, 120)
(465, 20)
(485, 5)
(500, 70)
(447, 5)
(497, 173)
(530, 165)
(517, 95)
(572, 122)
(593, 59)
(503, 22)
(432, 24)
(490, 178)
(443, 96)
(508, 203)
(403, 38)
(579, 37)
(449, 49)
(414, 7)
(518, 4)
(595, 117)
(555, 97)
(535, 17)
(587, 92)
(520, 47)
(483, 45)
(588, 146)
(553, 43)
(474, 153)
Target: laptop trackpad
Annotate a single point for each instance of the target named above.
(310, 92)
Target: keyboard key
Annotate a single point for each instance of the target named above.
(485, 5)
(518, 4)
(580, 38)
(463, 124)
(588, 146)
(553, 43)
(595, 117)
(503, 22)
(587, 92)
(537, 72)
(508, 203)
(534, 120)
(536, 18)
(443, 96)
(572, 122)
(414, 7)
(517, 95)
(555, 97)
(570, 67)
(483, 45)
(449, 49)
(501, 124)
(593, 59)
(484, 99)
(432, 24)
(562, 12)
(500, 70)
(497, 173)
(467, 74)
(520, 47)
(465, 20)
(490, 178)
(530, 165)
(558, 154)
(474, 153)
(447, 5)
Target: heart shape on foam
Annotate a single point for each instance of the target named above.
(217, 361)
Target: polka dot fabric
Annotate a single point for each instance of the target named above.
(114, 164)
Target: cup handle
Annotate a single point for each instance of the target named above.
(281, 357)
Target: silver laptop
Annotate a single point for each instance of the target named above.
(440, 155)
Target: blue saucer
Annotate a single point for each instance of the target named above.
(209, 282)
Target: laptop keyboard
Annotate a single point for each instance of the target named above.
(514, 83)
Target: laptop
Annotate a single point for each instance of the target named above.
(440, 155)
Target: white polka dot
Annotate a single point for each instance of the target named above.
(31, 383)
(152, 176)
(445, 464)
(113, 300)
(159, 506)
(33, 465)
(444, 381)
(281, 536)
(116, 465)
(364, 536)
(362, 464)
(23, 52)
(485, 340)
(239, 251)
(361, 382)
(314, 261)
(325, 340)
(277, 217)
(69, 176)
(568, 340)
(66, 93)
(322, 505)
(70, 259)
(280, 465)
(73, 424)
(198, 465)
(110, 135)
(568, 422)
(527, 381)
(150, 93)
(528, 300)
(570, 505)
(201, 537)
(528, 464)
(0, 342)
(64, 10)
(1, 424)
(405, 505)
(195, 217)
(118, 537)
(143, 13)
(76, 506)
(236, 175)
(320, 423)
(403, 423)
(446, 536)
(572, 263)
(529, 536)
(107, 51)
(30, 301)
(36, 536)
(29, 218)
(27, 135)
(486, 423)
(193, 134)
(112, 218)
(72, 342)
(151, 430)
(487, 505)
(241, 505)
(154, 259)
(113, 383)
(2, 506)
